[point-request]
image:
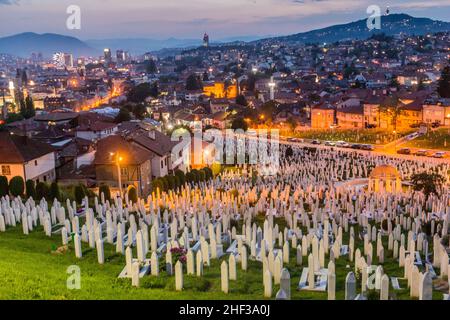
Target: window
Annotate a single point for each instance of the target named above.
(6, 170)
(124, 171)
(35, 162)
(162, 164)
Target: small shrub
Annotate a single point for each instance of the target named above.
(17, 186)
(132, 194)
(106, 192)
(180, 175)
(4, 188)
(79, 193)
(30, 189)
(54, 191)
(42, 190)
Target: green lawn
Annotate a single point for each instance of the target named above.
(438, 139)
(28, 270)
(369, 136)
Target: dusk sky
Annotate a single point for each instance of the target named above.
(191, 18)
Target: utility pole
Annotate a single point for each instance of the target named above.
(119, 173)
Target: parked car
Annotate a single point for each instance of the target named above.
(404, 151)
(330, 143)
(436, 124)
(296, 140)
(356, 146)
(440, 154)
(423, 153)
(417, 125)
(342, 144)
(367, 147)
(316, 142)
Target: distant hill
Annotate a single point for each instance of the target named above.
(24, 44)
(390, 25)
(142, 45)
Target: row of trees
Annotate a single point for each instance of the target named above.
(17, 187)
(173, 182)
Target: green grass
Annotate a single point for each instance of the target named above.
(369, 136)
(29, 270)
(438, 139)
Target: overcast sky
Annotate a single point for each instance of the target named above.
(191, 18)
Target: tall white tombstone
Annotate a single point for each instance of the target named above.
(77, 240)
(100, 252)
(350, 286)
(331, 286)
(426, 287)
(154, 264)
(244, 258)
(135, 274)
(179, 276)
(232, 267)
(199, 262)
(224, 276)
(384, 290)
(267, 284)
(285, 283)
(190, 264)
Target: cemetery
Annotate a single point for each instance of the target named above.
(329, 225)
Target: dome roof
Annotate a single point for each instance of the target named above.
(384, 172)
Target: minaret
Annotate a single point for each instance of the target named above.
(206, 40)
(272, 89)
(175, 101)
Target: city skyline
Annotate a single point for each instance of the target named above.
(236, 18)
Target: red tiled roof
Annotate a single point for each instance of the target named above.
(20, 149)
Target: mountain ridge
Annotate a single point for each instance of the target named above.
(24, 44)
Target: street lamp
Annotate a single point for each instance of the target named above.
(395, 139)
(119, 173)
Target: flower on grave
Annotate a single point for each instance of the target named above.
(178, 254)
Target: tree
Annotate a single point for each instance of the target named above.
(106, 192)
(291, 123)
(123, 115)
(30, 189)
(4, 188)
(428, 183)
(132, 194)
(391, 108)
(444, 83)
(240, 100)
(239, 123)
(180, 174)
(157, 184)
(29, 107)
(154, 90)
(193, 83)
(139, 93)
(189, 177)
(17, 186)
(171, 182)
(139, 111)
(42, 190)
(79, 193)
(55, 193)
